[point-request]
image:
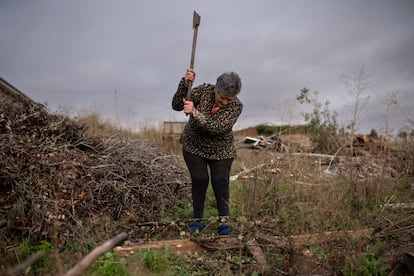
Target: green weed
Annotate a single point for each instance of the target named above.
(180, 211)
(19, 208)
(156, 261)
(109, 264)
(369, 264)
(319, 252)
(26, 249)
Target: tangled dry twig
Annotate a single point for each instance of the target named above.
(56, 183)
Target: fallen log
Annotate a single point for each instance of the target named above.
(180, 246)
(89, 259)
(184, 245)
(317, 238)
(220, 243)
(227, 243)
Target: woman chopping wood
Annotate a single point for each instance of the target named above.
(208, 142)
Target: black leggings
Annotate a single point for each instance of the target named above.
(220, 173)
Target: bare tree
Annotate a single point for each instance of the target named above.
(389, 100)
(286, 111)
(357, 83)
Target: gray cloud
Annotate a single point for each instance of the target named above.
(78, 53)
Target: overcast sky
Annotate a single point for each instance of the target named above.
(124, 59)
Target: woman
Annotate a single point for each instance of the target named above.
(208, 142)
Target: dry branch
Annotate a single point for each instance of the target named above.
(402, 205)
(89, 259)
(318, 238)
(258, 255)
(318, 155)
(21, 267)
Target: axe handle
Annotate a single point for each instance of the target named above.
(190, 83)
(188, 98)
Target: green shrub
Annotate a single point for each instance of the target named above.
(266, 130)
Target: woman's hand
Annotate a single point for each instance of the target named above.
(189, 75)
(189, 108)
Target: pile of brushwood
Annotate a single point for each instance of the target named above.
(59, 185)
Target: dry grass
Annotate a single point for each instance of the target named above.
(295, 182)
(290, 195)
(96, 126)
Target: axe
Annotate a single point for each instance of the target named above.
(196, 23)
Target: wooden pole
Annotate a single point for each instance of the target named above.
(88, 260)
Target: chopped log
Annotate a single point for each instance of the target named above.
(87, 261)
(180, 246)
(21, 267)
(318, 238)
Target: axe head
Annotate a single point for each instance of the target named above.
(196, 20)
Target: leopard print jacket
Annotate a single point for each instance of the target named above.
(208, 136)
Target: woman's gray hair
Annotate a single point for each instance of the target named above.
(229, 84)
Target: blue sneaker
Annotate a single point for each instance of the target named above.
(196, 226)
(224, 229)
